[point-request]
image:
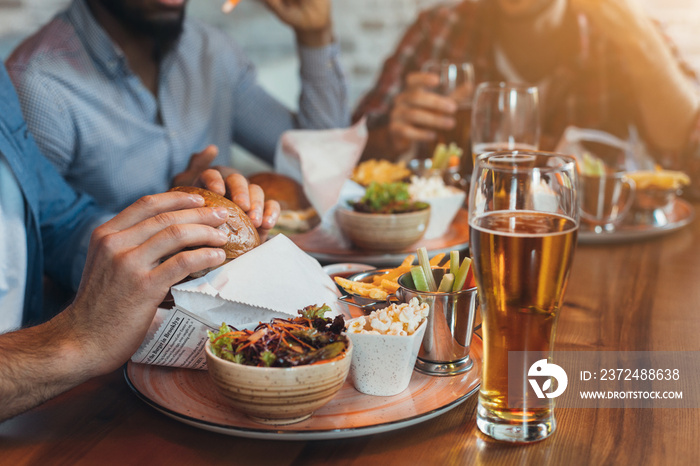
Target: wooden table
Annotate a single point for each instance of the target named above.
(638, 296)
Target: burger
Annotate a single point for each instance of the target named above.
(242, 235)
(296, 213)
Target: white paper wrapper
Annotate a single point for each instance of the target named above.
(276, 279)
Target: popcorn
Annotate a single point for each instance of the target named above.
(422, 188)
(397, 319)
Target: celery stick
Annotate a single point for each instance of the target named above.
(440, 157)
(446, 283)
(424, 262)
(461, 276)
(454, 262)
(419, 278)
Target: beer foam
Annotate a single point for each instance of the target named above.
(523, 223)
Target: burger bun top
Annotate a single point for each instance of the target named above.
(242, 235)
(283, 189)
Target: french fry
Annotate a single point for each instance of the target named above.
(408, 261)
(350, 285)
(394, 274)
(390, 286)
(378, 293)
(344, 282)
(381, 285)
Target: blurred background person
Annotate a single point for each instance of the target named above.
(599, 64)
(45, 225)
(125, 96)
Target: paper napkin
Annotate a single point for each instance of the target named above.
(321, 160)
(276, 279)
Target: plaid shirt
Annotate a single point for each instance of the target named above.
(589, 88)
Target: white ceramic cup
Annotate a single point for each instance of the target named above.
(382, 365)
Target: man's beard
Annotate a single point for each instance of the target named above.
(163, 32)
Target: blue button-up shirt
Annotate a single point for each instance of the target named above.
(58, 221)
(111, 137)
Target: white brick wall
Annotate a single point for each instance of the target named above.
(25, 15)
(367, 30)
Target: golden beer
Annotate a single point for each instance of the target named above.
(521, 265)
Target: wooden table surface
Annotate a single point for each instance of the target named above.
(642, 296)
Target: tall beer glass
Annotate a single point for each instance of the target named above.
(456, 82)
(505, 117)
(523, 221)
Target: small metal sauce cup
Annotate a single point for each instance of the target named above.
(445, 348)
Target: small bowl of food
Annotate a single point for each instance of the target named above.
(445, 201)
(657, 188)
(385, 219)
(386, 345)
(656, 191)
(280, 372)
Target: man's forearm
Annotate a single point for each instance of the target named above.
(36, 364)
(323, 101)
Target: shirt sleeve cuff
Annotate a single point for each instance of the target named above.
(319, 61)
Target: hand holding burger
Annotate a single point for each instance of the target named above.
(248, 196)
(240, 233)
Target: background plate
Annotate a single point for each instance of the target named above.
(190, 397)
(679, 214)
(456, 238)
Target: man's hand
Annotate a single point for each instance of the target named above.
(226, 182)
(132, 262)
(418, 112)
(200, 162)
(311, 19)
(251, 198)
